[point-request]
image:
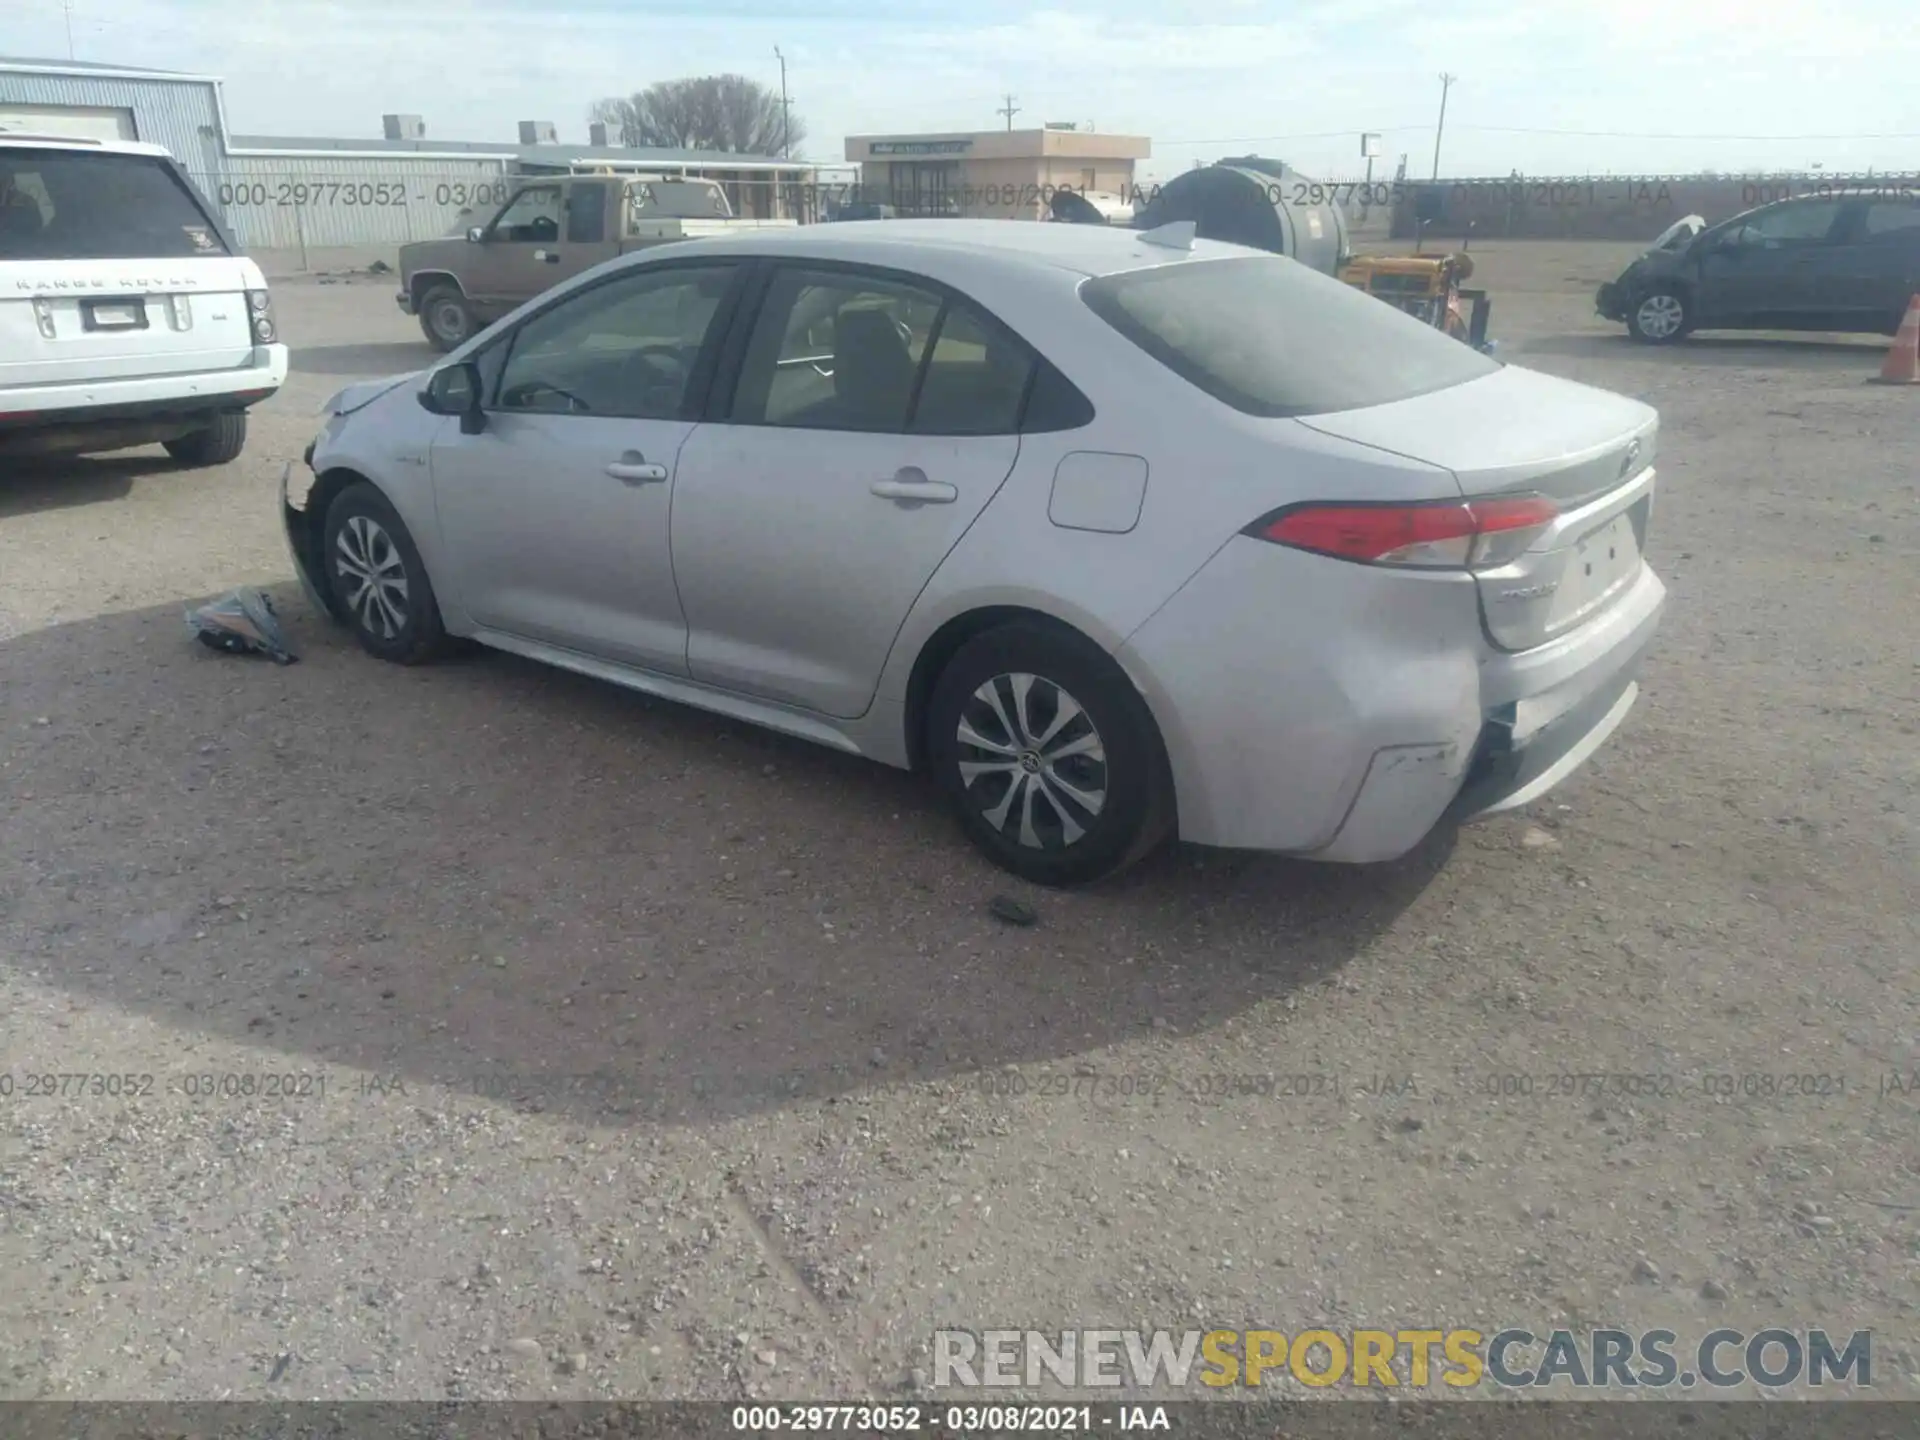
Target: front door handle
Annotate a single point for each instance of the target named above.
(633, 468)
(552, 257)
(911, 484)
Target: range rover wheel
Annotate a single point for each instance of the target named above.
(446, 318)
(376, 574)
(221, 441)
(1659, 317)
(1048, 756)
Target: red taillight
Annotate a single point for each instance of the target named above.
(1450, 534)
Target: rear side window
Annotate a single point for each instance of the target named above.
(1270, 337)
(76, 205)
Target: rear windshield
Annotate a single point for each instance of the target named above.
(1268, 336)
(73, 205)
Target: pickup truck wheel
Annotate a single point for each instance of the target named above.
(446, 318)
(220, 442)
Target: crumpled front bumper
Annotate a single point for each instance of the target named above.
(302, 529)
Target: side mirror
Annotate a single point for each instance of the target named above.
(455, 390)
(477, 234)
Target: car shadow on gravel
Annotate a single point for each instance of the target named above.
(28, 487)
(1787, 352)
(546, 890)
(362, 361)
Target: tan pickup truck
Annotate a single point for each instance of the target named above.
(551, 229)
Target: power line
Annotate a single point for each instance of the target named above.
(1538, 130)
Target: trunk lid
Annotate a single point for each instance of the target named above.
(67, 322)
(1521, 432)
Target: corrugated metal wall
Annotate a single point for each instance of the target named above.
(279, 202)
(179, 114)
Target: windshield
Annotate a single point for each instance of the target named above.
(80, 205)
(1271, 337)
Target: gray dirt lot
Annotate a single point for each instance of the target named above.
(824, 1108)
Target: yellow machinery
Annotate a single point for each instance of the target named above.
(1428, 288)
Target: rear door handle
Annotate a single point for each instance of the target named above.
(912, 484)
(633, 468)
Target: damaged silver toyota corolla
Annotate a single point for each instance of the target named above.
(1121, 534)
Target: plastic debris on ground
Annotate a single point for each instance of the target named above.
(242, 622)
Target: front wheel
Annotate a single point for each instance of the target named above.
(446, 318)
(376, 575)
(1659, 317)
(1048, 756)
(219, 442)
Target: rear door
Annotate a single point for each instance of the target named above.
(872, 420)
(110, 269)
(1889, 245)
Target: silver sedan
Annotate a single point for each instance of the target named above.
(1122, 535)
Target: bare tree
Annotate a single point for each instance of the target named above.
(708, 112)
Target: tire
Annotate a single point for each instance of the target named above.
(1660, 316)
(398, 618)
(220, 442)
(445, 318)
(1109, 749)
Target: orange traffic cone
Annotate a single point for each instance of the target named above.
(1903, 356)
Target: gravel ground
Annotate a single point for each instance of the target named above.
(622, 1051)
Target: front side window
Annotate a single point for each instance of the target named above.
(835, 351)
(626, 348)
(80, 205)
(1270, 337)
(1788, 224)
(531, 217)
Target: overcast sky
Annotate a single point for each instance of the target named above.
(1545, 87)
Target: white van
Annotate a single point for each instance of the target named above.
(127, 314)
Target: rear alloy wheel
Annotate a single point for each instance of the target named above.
(1048, 756)
(1659, 318)
(376, 575)
(221, 441)
(446, 318)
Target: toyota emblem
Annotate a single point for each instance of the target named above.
(1631, 460)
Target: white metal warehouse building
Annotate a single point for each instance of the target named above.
(303, 193)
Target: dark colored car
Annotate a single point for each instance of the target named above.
(1840, 262)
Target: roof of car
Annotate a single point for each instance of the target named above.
(26, 140)
(1084, 249)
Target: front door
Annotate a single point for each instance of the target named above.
(554, 516)
(549, 231)
(1759, 274)
(849, 464)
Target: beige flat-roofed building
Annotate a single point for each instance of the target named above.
(993, 174)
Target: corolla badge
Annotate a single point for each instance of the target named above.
(1630, 461)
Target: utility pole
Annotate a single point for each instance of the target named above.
(67, 7)
(786, 114)
(1009, 110)
(1446, 84)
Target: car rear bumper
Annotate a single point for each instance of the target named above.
(405, 301)
(189, 392)
(1610, 302)
(1352, 734)
(87, 417)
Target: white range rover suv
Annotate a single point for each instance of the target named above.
(127, 314)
